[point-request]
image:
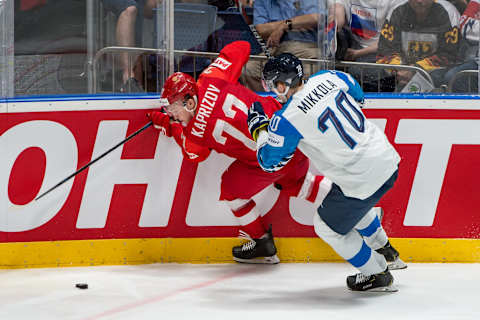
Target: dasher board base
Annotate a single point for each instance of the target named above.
(210, 250)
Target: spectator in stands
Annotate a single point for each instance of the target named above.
(220, 4)
(149, 6)
(246, 3)
(470, 31)
(363, 19)
(285, 26)
(359, 23)
(422, 33)
(461, 5)
(246, 8)
(126, 12)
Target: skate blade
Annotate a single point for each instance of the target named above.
(398, 264)
(390, 288)
(260, 260)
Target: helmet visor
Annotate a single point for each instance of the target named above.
(173, 106)
(178, 105)
(268, 85)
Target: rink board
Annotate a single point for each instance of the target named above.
(144, 203)
(72, 253)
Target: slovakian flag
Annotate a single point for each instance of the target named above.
(363, 22)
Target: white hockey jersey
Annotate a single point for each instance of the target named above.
(325, 122)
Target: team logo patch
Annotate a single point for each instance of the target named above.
(275, 140)
(221, 63)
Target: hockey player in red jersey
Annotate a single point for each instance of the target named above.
(211, 114)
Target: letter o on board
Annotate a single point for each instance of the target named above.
(60, 159)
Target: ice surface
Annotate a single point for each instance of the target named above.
(235, 291)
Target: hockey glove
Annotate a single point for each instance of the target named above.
(257, 119)
(161, 121)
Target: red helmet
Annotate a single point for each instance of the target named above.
(177, 86)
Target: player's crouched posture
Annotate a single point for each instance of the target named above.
(322, 118)
(211, 114)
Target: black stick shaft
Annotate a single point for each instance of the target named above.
(96, 159)
(260, 41)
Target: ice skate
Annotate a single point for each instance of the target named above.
(392, 256)
(260, 250)
(380, 282)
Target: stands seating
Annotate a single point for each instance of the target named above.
(193, 26)
(234, 28)
(467, 80)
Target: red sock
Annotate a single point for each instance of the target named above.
(250, 220)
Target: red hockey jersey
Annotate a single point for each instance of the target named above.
(220, 121)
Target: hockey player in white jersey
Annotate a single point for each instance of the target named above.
(322, 117)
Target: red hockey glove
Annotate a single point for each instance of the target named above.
(161, 121)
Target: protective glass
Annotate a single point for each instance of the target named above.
(6, 49)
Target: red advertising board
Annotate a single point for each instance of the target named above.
(145, 189)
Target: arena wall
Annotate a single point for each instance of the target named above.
(144, 203)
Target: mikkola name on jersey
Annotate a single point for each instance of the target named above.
(319, 92)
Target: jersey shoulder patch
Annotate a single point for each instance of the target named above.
(275, 140)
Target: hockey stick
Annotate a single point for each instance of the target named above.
(260, 41)
(257, 36)
(96, 159)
